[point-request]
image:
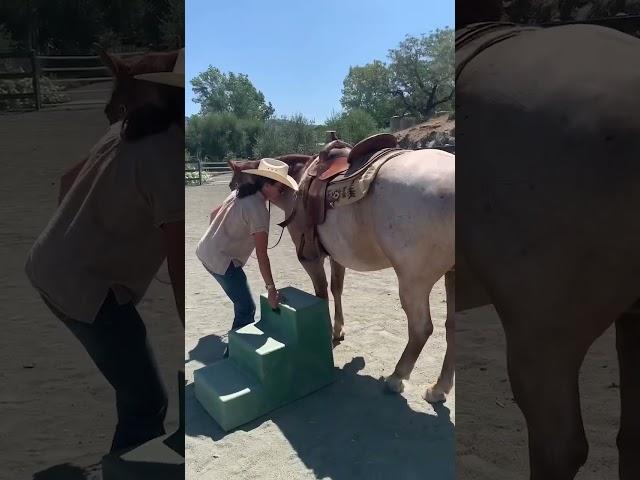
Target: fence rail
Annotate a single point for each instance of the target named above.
(204, 168)
(61, 70)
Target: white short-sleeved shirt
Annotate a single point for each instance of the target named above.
(106, 233)
(229, 237)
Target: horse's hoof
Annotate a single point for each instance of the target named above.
(394, 384)
(434, 395)
(338, 335)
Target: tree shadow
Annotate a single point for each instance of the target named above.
(208, 350)
(353, 429)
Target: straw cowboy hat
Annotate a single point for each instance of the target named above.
(274, 169)
(174, 78)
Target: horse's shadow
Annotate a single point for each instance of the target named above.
(67, 471)
(353, 429)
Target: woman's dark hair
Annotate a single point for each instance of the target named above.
(248, 189)
(150, 119)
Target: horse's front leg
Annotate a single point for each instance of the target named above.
(337, 285)
(315, 269)
(439, 391)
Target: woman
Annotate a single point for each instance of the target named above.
(121, 215)
(238, 226)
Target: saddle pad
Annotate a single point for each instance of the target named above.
(352, 189)
(474, 39)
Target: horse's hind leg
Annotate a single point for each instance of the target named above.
(628, 346)
(337, 285)
(543, 359)
(414, 297)
(438, 392)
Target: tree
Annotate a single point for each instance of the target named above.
(285, 135)
(218, 92)
(369, 88)
(422, 72)
(352, 126)
(172, 24)
(221, 135)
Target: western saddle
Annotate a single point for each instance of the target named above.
(337, 162)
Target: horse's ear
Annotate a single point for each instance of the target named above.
(233, 165)
(109, 61)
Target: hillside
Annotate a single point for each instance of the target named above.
(436, 132)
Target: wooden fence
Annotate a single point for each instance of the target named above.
(34, 74)
(65, 71)
(204, 168)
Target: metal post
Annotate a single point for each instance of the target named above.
(199, 170)
(35, 72)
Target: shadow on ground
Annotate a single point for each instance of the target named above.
(352, 429)
(208, 350)
(67, 471)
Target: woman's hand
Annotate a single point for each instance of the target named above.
(274, 297)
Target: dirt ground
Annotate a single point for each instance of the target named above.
(349, 430)
(58, 410)
(491, 435)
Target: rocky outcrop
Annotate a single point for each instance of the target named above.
(435, 133)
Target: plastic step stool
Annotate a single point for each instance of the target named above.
(284, 356)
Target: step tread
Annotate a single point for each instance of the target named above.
(257, 339)
(226, 379)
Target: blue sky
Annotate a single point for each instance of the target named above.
(297, 53)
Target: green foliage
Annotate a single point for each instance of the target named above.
(352, 126)
(172, 24)
(6, 39)
(369, 88)
(418, 80)
(45, 24)
(422, 72)
(293, 134)
(221, 135)
(218, 92)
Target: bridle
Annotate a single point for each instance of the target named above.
(287, 220)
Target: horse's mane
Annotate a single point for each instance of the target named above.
(149, 63)
(297, 163)
(477, 11)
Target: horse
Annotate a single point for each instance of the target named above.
(405, 222)
(548, 217)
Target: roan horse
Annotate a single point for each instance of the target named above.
(548, 219)
(406, 222)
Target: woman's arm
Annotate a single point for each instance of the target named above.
(67, 180)
(214, 213)
(261, 239)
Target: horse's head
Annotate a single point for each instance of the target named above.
(129, 93)
(237, 168)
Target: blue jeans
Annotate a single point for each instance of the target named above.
(234, 283)
(117, 343)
